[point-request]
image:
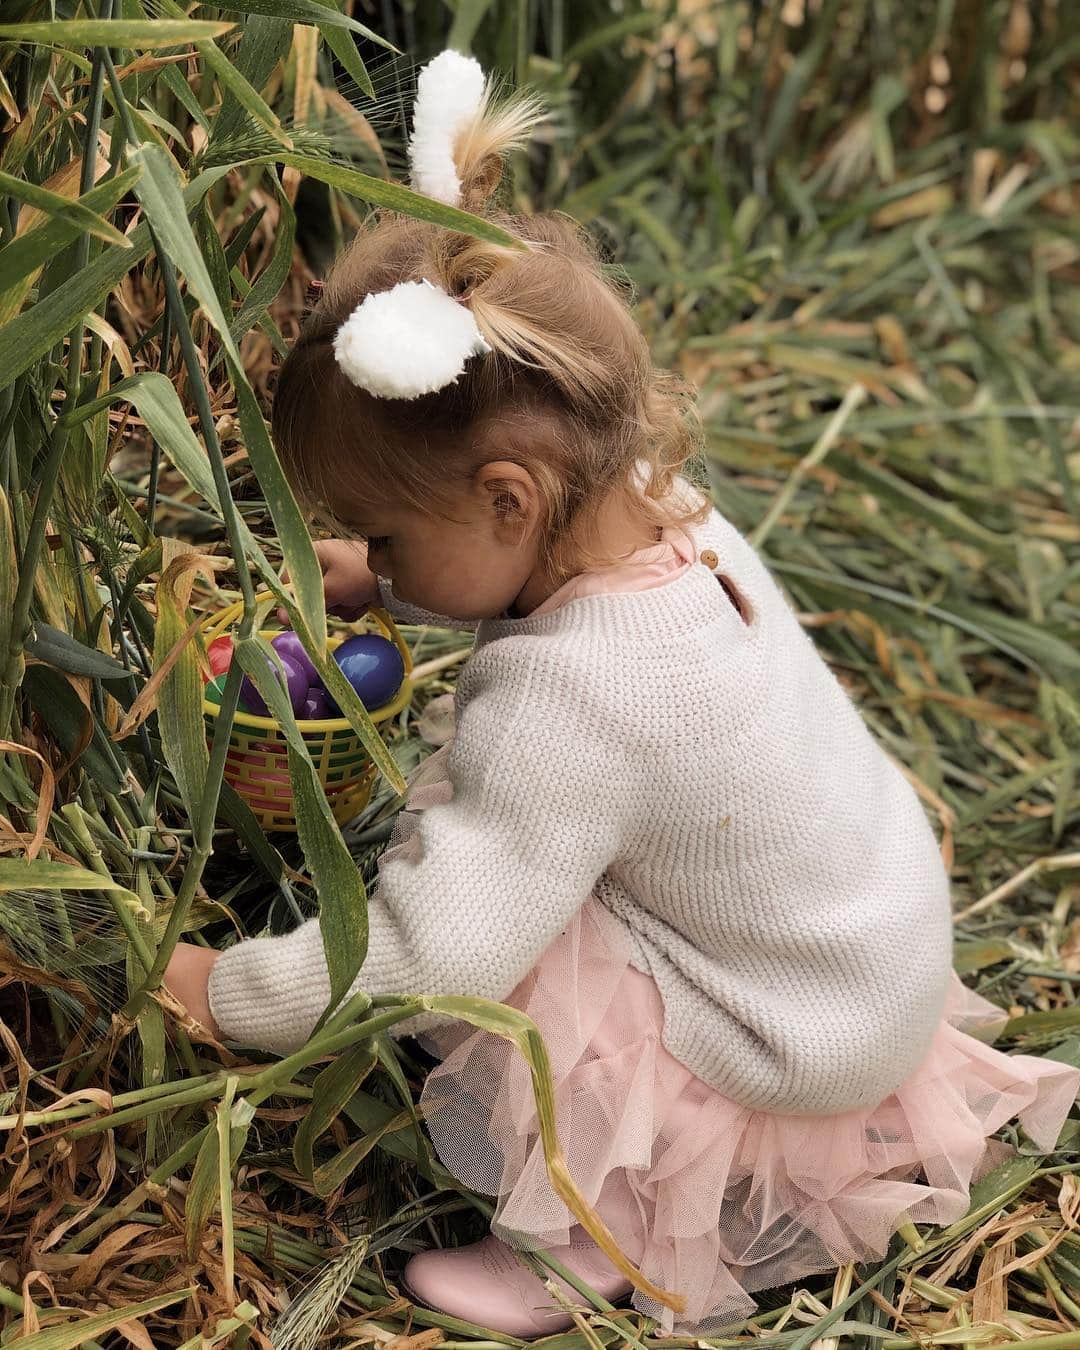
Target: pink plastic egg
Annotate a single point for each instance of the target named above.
(219, 655)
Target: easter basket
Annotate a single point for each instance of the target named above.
(257, 762)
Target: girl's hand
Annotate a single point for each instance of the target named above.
(349, 585)
(187, 978)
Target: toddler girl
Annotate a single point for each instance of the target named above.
(661, 828)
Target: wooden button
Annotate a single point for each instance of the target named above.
(709, 558)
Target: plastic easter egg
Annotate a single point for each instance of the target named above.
(212, 692)
(288, 644)
(219, 655)
(316, 706)
(296, 680)
(373, 666)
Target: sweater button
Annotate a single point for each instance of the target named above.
(709, 558)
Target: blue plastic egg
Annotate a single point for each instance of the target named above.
(373, 666)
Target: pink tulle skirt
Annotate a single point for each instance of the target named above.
(711, 1199)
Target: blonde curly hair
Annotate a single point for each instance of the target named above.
(568, 366)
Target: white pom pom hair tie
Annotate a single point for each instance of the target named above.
(449, 94)
(414, 339)
(411, 340)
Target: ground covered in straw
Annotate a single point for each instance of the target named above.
(854, 227)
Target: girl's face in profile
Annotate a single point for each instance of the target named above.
(472, 560)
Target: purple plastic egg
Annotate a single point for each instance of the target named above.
(296, 680)
(316, 706)
(373, 666)
(288, 644)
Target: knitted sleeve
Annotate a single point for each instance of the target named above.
(501, 870)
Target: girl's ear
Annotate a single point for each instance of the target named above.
(510, 493)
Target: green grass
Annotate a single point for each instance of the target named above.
(855, 229)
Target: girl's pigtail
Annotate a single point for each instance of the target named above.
(476, 271)
(511, 333)
(483, 144)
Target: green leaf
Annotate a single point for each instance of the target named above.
(274, 275)
(75, 212)
(948, 517)
(1036, 641)
(27, 252)
(394, 197)
(842, 582)
(235, 810)
(1067, 1052)
(340, 888)
(335, 1086)
(994, 1190)
(205, 1187)
(9, 571)
(969, 957)
(182, 92)
(235, 248)
(150, 1022)
(86, 1329)
(40, 327)
(386, 1050)
(1044, 1023)
(202, 1193)
(159, 190)
(158, 404)
(16, 874)
(180, 697)
(265, 42)
(63, 652)
(305, 574)
(337, 1171)
(344, 48)
(307, 11)
(209, 242)
(136, 35)
(250, 99)
(369, 1114)
(586, 202)
(71, 723)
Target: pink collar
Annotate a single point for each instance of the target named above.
(656, 565)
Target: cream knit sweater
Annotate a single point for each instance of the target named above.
(712, 782)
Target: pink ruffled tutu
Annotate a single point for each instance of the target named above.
(712, 1199)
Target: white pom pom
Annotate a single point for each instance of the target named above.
(410, 340)
(448, 93)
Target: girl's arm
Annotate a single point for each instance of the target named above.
(501, 870)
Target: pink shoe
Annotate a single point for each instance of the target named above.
(486, 1284)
